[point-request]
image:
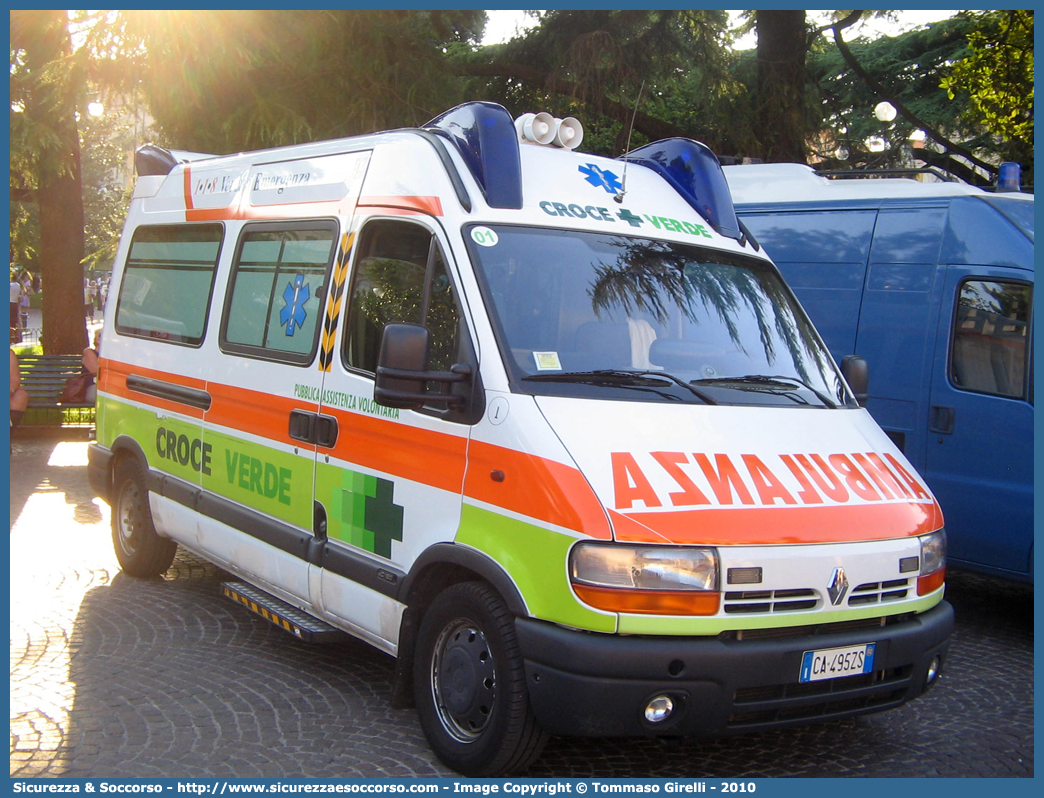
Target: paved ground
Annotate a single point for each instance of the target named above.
(117, 677)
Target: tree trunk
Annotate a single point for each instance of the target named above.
(782, 46)
(61, 253)
(44, 36)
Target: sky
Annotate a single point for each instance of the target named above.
(503, 25)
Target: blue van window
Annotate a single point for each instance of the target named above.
(990, 337)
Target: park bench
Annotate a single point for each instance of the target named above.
(44, 378)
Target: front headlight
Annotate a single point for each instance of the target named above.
(646, 579)
(933, 562)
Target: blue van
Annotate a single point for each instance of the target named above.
(932, 284)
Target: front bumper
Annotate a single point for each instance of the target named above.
(99, 471)
(598, 685)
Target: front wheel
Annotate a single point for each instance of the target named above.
(470, 684)
(139, 550)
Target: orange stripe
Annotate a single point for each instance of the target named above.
(431, 458)
(428, 205)
(747, 526)
(188, 192)
(424, 456)
(263, 414)
(299, 210)
(112, 379)
(295, 210)
(535, 487)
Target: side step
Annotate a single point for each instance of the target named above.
(287, 617)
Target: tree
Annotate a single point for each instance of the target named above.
(225, 81)
(106, 141)
(783, 40)
(46, 91)
(668, 71)
(919, 73)
(997, 77)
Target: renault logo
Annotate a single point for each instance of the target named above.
(837, 586)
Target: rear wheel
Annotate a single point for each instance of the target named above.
(470, 684)
(139, 550)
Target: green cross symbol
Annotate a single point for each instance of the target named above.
(370, 517)
(630, 218)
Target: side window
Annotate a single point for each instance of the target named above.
(167, 281)
(275, 293)
(401, 276)
(991, 332)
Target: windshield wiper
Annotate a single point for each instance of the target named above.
(770, 381)
(619, 376)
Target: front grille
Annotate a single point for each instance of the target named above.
(765, 706)
(818, 629)
(762, 601)
(879, 592)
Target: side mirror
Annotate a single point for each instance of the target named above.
(857, 375)
(402, 370)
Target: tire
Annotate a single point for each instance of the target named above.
(139, 550)
(470, 684)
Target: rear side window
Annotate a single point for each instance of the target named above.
(167, 281)
(991, 337)
(275, 293)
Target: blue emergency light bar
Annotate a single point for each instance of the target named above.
(484, 134)
(1010, 178)
(694, 172)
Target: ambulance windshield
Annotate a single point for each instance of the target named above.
(608, 316)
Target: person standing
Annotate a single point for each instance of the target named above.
(88, 300)
(16, 299)
(23, 303)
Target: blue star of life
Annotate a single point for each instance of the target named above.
(293, 314)
(601, 177)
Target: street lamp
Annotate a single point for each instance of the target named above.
(885, 112)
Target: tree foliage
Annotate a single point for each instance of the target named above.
(225, 81)
(221, 81)
(997, 77)
(597, 63)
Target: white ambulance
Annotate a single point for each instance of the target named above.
(547, 427)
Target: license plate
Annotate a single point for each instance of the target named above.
(831, 663)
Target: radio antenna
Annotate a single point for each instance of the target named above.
(623, 180)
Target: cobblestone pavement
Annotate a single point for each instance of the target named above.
(118, 677)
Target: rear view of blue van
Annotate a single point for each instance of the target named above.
(932, 284)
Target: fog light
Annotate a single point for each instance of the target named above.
(659, 709)
(933, 671)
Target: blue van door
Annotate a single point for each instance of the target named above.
(980, 420)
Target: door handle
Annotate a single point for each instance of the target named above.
(302, 426)
(309, 427)
(325, 431)
(940, 419)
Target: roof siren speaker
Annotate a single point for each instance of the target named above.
(537, 128)
(569, 133)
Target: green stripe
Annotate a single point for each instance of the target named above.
(261, 477)
(535, 558)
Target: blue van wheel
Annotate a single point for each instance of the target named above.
(139, 550)
(470, 684)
